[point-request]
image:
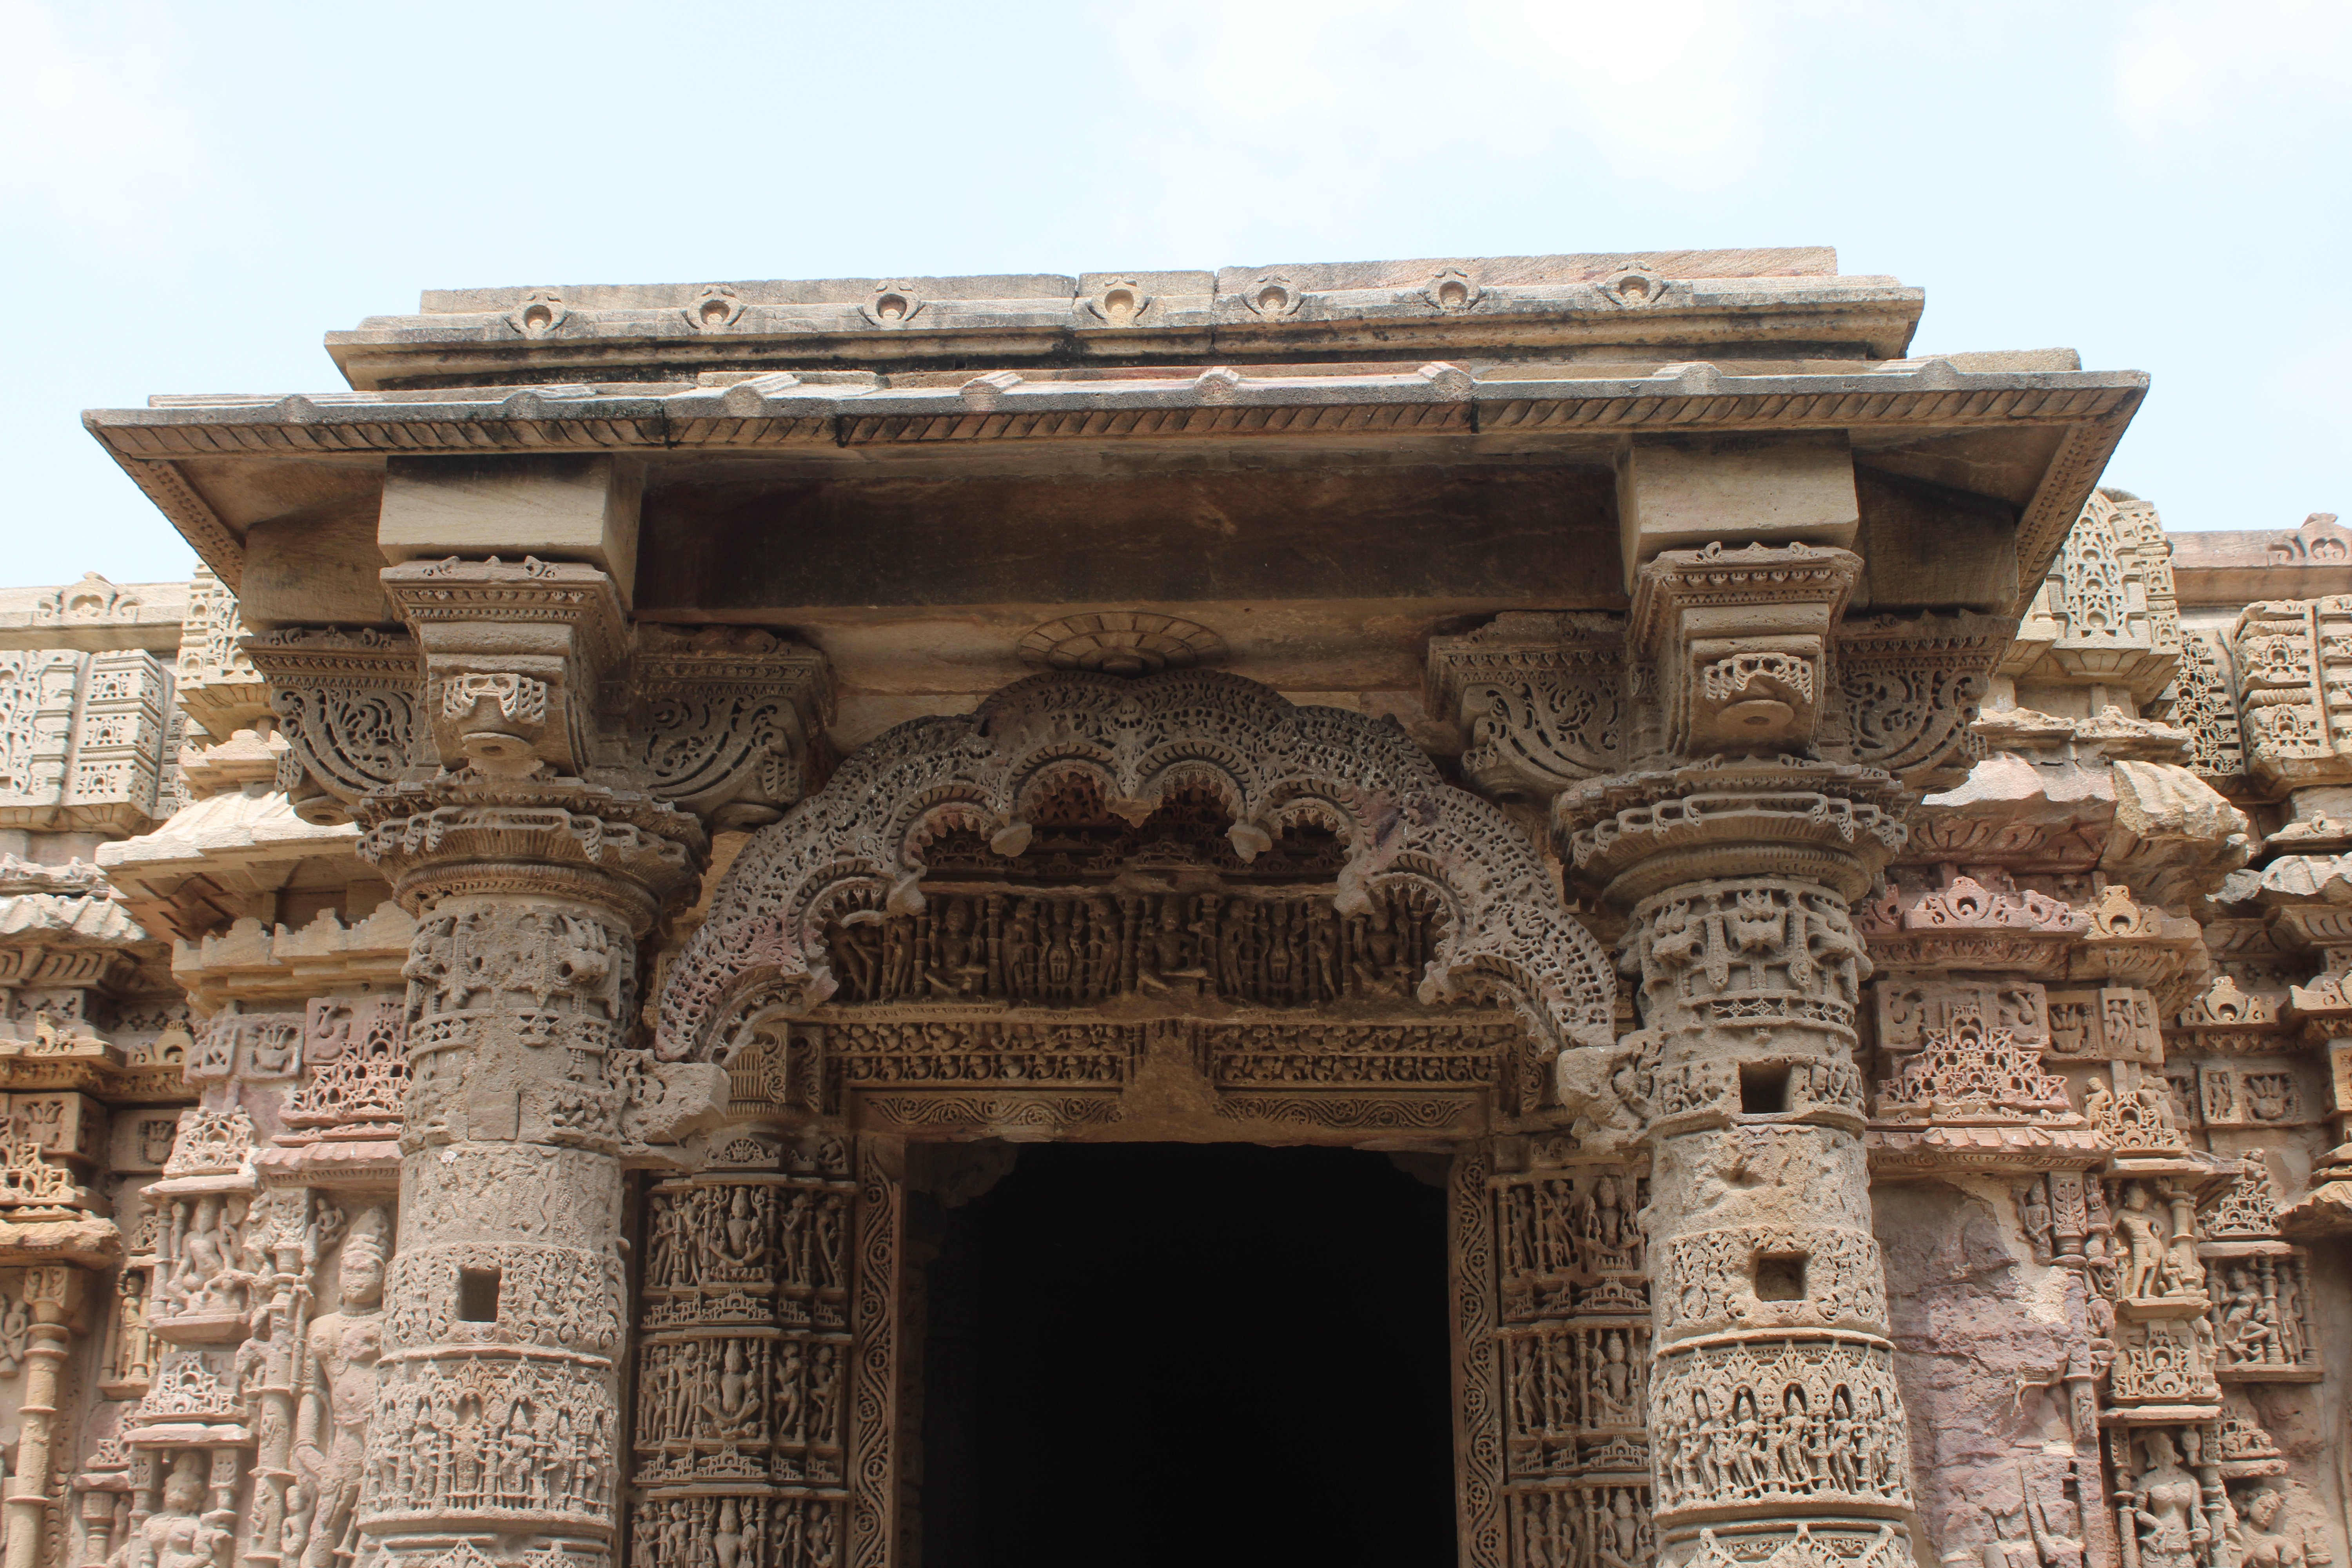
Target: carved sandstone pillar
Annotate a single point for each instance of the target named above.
(54, 1293)
(1775, 1421)
(496, 1387)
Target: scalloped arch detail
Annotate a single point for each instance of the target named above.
(855, 848)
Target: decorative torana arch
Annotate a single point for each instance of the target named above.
(855, 849)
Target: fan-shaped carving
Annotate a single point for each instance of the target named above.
(856, 848)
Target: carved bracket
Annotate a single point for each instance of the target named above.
(347, 701)
(1540, 700)
(728, 722)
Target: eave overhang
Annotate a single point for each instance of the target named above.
(1937, 420)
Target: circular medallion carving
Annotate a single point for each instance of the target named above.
(1121, 642)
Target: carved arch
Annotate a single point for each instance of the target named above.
(855, 848)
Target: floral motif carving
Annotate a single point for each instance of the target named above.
(1540, 700)
(728, 722)
(347, 701)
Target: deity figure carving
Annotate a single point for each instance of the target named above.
(2164, 1500)
(331, 1436)
(178, 1534)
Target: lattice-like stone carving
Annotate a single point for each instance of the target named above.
(2204, 704)
(2106, 614)
(348, 703)
(1971, 1071)
(728, 722)
(857, 849)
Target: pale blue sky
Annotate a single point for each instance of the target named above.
(191, 194)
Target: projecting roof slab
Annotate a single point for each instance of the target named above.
(1337, 461)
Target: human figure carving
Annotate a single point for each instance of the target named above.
(1614, 1386)
(1322, 954)
(1747, 1454)
(747, 1239)
(790, 1376)
(824, 1270)
(1381, 954)
(1065, 951)
(1621, 1537)
(2144, 1241)
(330, 1435)
(2271, 1540)
(2034, 1218)
(1102, 949)
(177, 1535)
(732, 1407)
(824, 1395)
(199, 1256)
(2172, 1532)
(2244, 1326)
(959, 967)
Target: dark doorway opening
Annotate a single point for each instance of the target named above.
(1149, 1355)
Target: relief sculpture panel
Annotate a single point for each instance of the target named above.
(744, 1356)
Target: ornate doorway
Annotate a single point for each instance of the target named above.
(1178, 909)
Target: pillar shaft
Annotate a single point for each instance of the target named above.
(498, 1404)
(1772, 1396)
(496, 1393)
(1776, 1429)
(53, 1291)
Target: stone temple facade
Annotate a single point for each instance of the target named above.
(659, 795)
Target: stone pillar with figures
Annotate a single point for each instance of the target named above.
(494, 1363)
(1776, 1426)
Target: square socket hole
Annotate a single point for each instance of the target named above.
(1780, 1277)
(1763, 1088)
(478, 1295)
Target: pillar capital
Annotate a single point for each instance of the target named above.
(466, 833)
(511, 673)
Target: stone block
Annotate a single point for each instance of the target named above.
(64, 1125)
(1685, 492)
(308, 569)
(563, 509)
(140, 1140)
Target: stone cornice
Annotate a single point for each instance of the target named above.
(783, 414)
(1488, 306)
(782, 410)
